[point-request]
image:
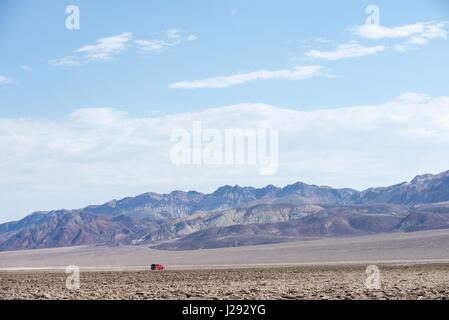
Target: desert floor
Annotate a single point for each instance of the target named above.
(412, 266)
(422, 281)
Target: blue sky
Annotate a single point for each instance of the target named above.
(67, 96)
(232, 37)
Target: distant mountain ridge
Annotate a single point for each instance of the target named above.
(234, 215)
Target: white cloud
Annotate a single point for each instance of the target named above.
(297, 73)
(103, 49)
(378, 32)
(416, 34)
(173, 38)
(146, 46)
(349, 50)
(98, 154)
(413, 98)
(70, 61)
(106, 48)
(5, 80)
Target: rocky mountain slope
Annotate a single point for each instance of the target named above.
(236, 215)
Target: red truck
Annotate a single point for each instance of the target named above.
(157, 267)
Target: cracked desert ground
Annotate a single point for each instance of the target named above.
(412, 266)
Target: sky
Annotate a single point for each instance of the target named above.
(86, 114)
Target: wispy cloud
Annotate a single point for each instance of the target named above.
(5, 80)
(146, 46)
(426, 30)
(106, 49)
(69, 61)
(410, 36)
(172, 38)
(103, 49)
(349, 50)
(297, 73)
(417, 34)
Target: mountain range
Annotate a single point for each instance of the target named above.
(236, 216)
